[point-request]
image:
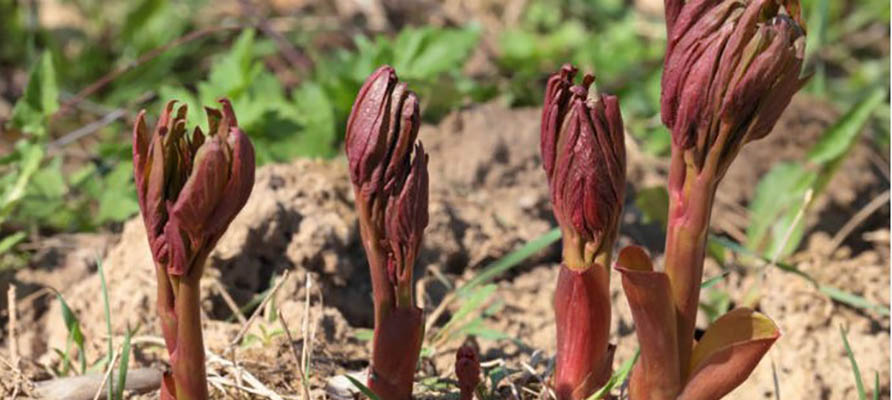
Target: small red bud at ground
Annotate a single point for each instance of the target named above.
(467, 369)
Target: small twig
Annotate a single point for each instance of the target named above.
(305, 326)
(256, 387)
(229, 301)
(441, 308)
(303, 383)
(13, 319)
(262, 305)
(806, 201)
(83, 387)
(294, 57)
(111, 366)
(859, 217)
(85, 130)
(151, 54)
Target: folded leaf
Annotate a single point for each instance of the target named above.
(727, 353)
(657, 375)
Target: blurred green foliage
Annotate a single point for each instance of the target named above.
(44, 188)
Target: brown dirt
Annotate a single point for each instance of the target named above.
(488, 196)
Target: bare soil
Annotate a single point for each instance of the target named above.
(488, 197)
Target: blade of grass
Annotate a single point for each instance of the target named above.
(362, 388)
(122, 368)
(712, 281)
(618, 377)
(509, 261)
(852, 300)
(855, 370)
(108, 326)
(474, 301)
(876, 385)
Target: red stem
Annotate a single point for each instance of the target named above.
(582, 318)
(691, 196)
(187, 360)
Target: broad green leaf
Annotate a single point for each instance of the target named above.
(425, 53)
(40, 100)
(118, 201)
(317, 133)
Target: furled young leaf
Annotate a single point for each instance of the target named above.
(40, 100)
(727, 353)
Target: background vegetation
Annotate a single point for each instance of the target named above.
(73, 74)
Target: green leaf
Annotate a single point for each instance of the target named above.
(233, 73)
(10, 241)
(31, 155)
(712, 281)
(317, 133)
(40, 100)
(855, 370)
(425, 53)
(122, 368)
(839, 138)
(74, 331)
(510, 260)
(474, 300)
(362, 388)
(118, 201)
(363, 334)
(780, 194)
(654, 204)
(779, 197)
(831, 292)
